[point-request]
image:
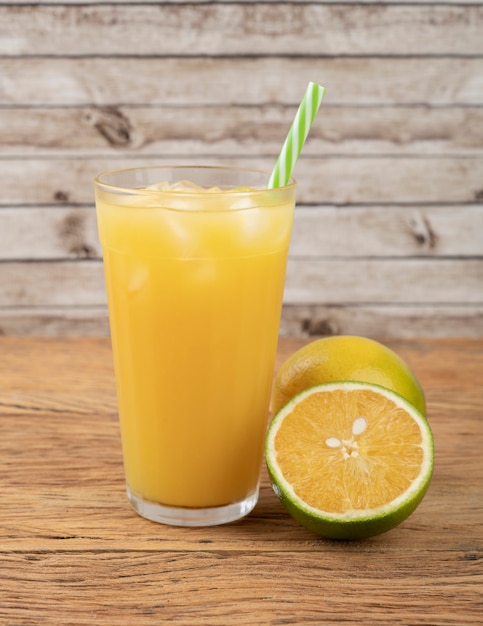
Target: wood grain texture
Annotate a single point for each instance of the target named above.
(388, 281)
(89, 2)
(394, 231)
(111, 81)
(321, 180)
(60, 233)
(88, 321)
(391, 174)
(302, 320)
(369, 320)
(239, 29)
(244, 130)
(72, 552)
(402, 281)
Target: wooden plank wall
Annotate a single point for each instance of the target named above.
(388, 236)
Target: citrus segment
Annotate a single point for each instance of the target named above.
(345, 357)
(349, 460)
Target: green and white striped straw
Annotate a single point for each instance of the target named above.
(297, 135)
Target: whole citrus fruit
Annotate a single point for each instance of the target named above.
(349, 460)
(344, 358)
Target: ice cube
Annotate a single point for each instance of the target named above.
(163, 186)
(137, 278)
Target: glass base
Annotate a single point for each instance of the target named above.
(180, 516)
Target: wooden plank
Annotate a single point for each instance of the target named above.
(336, 180)
(67, 283)
(334, 2)
(252, 130)
(55, 321)
(410, 281)
(241, 29)
(238, 81)
(56, 232)
(388, 231)
(384, 320)
(206, 586)
(66, 530)
(309, 281)
(48, 233)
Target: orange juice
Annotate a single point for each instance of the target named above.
(195, 283)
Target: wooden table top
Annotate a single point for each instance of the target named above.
(73, 552)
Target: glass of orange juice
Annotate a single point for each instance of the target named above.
(194, 261)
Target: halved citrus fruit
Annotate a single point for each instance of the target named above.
(349, 459)
(345, 357)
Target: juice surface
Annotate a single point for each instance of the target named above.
(195, 300)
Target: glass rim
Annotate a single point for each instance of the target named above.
(116, 188)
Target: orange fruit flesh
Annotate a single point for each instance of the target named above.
(345, 451)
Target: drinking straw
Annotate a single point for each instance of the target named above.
(297, 135)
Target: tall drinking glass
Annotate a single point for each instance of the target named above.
(195, 275)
